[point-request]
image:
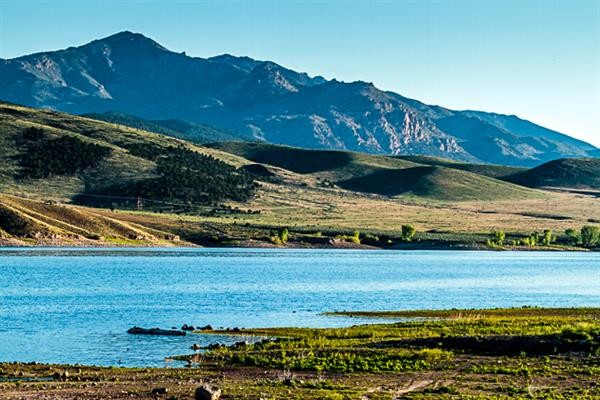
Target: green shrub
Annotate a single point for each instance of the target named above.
(548, 238)
(408, 232)
(590, 236)
(572, 237)
(498, 238)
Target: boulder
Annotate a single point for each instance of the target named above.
(207, 392)
(160, 390)
(187, 327)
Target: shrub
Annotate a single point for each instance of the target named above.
(408, 232)
(283, 235)
(498, 238)
(548, 238)
(572, 237)
(590, 236)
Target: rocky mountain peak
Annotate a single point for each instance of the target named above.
(131, 73)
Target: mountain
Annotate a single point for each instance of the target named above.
(132, 74)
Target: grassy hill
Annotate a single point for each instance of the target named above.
(331, 164)
(578, 173)
(434, 182)
(493, 171)
(418, 176)
(55, 156)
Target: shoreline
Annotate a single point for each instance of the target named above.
(297, 246)
(501, 353)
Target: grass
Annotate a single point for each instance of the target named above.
(424, 356)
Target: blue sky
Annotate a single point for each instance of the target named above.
(539, 60)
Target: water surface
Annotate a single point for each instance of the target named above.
(75, 305)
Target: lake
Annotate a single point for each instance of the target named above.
(75, 305)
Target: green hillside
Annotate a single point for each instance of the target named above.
(435, 183)
(428, 177)
(578, 173)
(51, 155)
(493, 171)
(331, 164)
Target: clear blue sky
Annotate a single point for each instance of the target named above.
(537, 59)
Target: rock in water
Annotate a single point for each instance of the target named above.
(206, 392)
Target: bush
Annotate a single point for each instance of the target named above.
(498, 238)
(408, 232)
(590, 236)
(548, 238)
(572, 237)
(283, 235)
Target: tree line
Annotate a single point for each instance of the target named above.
(588, 236)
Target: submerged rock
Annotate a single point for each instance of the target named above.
(206, 328)
(187, 327)
(136, 330)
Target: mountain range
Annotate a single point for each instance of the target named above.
(242, 98)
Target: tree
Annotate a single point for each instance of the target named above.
(408, 232)
(572, 237)
(590, 236)
(355, 238)
(284, 235)
(498, 237)
(547, 239)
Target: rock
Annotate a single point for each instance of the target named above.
(160, 390)
(206, 328)
(196, 346)
(136, 330)
(187, 327)
(206, 392)
(238, 345)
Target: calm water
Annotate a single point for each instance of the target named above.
(74, 306)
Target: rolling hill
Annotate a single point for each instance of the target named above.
(132, 74)
(424, 177)
(581, 173)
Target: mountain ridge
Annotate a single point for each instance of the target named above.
(132, 74)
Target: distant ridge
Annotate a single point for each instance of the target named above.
(131, 74)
